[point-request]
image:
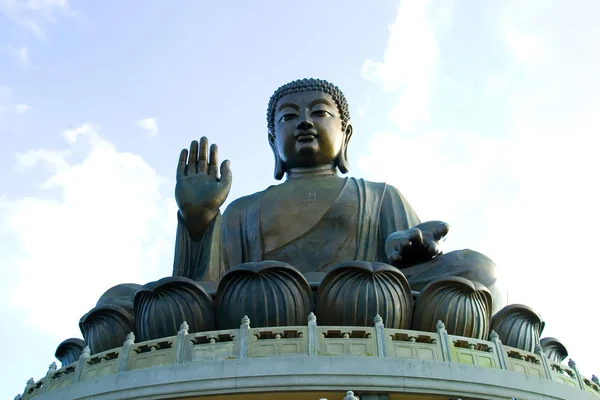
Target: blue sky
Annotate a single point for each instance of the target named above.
(485, 114)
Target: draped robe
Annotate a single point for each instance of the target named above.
(355, 227)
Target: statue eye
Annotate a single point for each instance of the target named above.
(287, 117)
(322, 113)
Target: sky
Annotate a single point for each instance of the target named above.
(484, 114)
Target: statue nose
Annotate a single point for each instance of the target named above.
(305, 124)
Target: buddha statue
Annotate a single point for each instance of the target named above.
(347, 248)
(317, 218)
(350, 251)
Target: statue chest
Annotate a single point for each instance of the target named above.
(288, 211)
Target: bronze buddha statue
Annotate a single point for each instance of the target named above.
(347, 248)
(316, 218)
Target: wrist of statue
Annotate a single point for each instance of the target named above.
(197, 223)
(412, 259)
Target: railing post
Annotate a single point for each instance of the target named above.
(350, 396)
(51, 370)
(124, 353)
(244, 329)
(85, 354)
(313, 348)
(444, 341)
(494, 338)
(28, 386)
(540, 352)
(380, 335)
(577, 374)
(180, 348)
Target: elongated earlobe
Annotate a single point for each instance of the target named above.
(279, 170)
(342, 162)
(342, 158)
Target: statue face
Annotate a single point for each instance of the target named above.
(308, 130)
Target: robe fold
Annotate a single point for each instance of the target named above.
(354, 227)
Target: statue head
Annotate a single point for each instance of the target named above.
(309, 125)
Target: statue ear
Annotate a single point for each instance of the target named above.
(279, 171)
(342, 159)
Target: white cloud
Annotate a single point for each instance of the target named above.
(435, 171)
(410, 60)
(21, 54)
(150, 125)
(31, 14)
(33, 27)
(527, 198)
(47, 5)
(22, 108)
(97, 219)
(364, 108)
(8, 106)
(5, 100)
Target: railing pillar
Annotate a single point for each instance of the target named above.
(380, 336)
(350, 396)
(444, 341)
(244, 329)
(494, 338)
(51, 370)
(577, 374)
(28, 386)
(313, 348)
(85, 354)
(124, 353)
(180, 348)
(540, 352)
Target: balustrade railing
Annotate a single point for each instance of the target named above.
(309, 340)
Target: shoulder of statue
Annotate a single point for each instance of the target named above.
(395, 193)
(380, 187)
(240, 205)
(383, 188)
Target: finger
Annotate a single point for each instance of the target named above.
(213, 159)
(193, 160)
(394, 257)
(433, 248)
(441, 230)
(405, 243)
(181, 170)
(416, 236)
(203, 155)
(226, 173)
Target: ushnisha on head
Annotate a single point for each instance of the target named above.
(309, 126)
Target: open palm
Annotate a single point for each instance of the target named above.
(200, 191)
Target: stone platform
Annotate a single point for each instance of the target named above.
(313, 362)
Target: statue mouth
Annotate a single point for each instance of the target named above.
(305, 136)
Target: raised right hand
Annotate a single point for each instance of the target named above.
(199, 192)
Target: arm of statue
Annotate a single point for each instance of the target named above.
(415, 245)
(199, 193)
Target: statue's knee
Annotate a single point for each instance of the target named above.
(475, 267)
(469, 264)
(106, 325)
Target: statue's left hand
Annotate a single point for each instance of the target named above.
(415, 245)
